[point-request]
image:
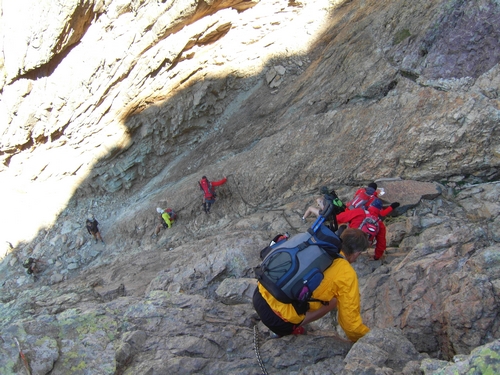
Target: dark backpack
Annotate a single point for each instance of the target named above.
(92, 225)
(27, 264)
(338, 205)
(207, 188)
(171, 213)
(333, 207)
(370, 226)
(294, 268)
(331, 197)
(362, 199)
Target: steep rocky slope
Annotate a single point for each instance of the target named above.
(117, 107)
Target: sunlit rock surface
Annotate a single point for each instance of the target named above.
(114, 108)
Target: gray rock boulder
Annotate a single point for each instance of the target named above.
(117, 107)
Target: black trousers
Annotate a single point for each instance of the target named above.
(207, 204)
(269, 318)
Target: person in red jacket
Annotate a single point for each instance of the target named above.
(209, 192)
(363, 197)
(355, 218)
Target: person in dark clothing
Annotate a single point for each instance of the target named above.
(92, 226)
(328, 205)
(31, 266)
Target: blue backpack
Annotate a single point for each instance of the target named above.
(293, 269)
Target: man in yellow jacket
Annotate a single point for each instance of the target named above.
(339, 287)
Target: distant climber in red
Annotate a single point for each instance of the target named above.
(209, 192)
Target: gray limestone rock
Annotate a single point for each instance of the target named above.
(235, 291)
(408, 193)
(118, 107)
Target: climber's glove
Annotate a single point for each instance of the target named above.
(395, 205)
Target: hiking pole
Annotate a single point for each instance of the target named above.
(23, 358)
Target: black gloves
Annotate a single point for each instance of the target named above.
(395, 205)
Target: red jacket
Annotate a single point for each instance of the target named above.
(207, 193)
(355, 217)
(220, 182)
(361, 192)
(385, 211)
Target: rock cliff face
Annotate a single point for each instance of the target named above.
(115, 107)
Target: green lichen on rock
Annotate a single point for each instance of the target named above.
(73, 321)
(86, 333)
(8, 366)
(400, 36)
(79, 367)
(484, 360)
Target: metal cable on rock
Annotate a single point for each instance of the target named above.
(259, 207)
(239, 193)
(256, 348)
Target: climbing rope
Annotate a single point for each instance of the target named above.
(259, 206)
(256, 348)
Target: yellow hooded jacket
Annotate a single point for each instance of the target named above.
(167, 219)
(340, 281)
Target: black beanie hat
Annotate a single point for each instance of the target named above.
(373, 185)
